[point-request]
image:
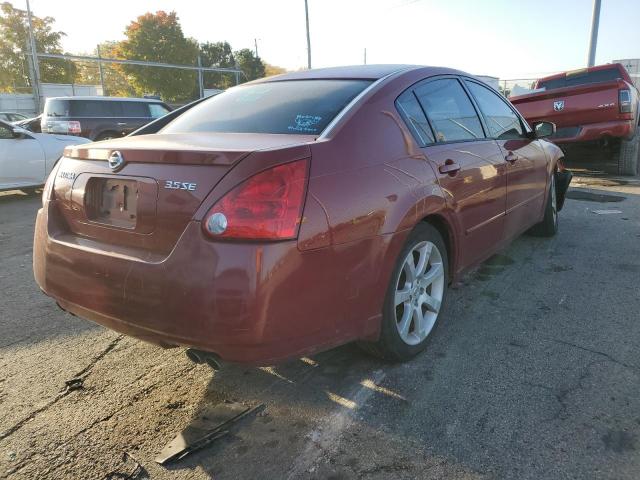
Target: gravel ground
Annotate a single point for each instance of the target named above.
(533, 373)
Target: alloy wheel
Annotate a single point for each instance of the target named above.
(419, 292)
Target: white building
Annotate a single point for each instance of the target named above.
(633, 67)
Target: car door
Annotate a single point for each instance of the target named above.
(525, 159)
(470, 168)
(22, 159)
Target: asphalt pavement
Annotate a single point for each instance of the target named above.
(532, 373)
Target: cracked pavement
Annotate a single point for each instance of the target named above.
(533, 373)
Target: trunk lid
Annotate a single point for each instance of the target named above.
(144, 206)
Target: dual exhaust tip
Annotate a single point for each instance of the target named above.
(200, 356)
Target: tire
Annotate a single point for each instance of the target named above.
(105, 136)
(548, 227)
(628, 156)
(421, 300)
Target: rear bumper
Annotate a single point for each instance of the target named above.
(596, 131)
(247, 302)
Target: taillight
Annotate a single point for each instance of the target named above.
(75, 128)
(624, 101)
(267, 206)
(62, 126)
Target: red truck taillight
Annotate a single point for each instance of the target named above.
(267, 206)
(624, 101)
(62, 126)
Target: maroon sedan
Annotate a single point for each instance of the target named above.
(297, 213)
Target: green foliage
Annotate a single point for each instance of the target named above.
(251, 66)
(218, 54)
(270, 70)
(15, 49)
(153, 37)
(159, 38)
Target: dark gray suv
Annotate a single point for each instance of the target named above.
(99, 118)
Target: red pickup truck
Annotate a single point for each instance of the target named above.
(596, 105)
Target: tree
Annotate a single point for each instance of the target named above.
(159, 38)
(218, 54)
(270, 70)
(15, 49)
(116, 82)
(251, 66)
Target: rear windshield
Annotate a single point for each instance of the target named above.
(581, 78)
(297, 106)
(56, 108)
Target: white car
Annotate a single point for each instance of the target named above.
(26, 158)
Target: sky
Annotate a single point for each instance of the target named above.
(509, 39)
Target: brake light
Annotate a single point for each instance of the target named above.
(62, 126)
(75, 128)
(267, 206)
(624, 101)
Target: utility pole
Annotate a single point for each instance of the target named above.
(306, 13)
(365, 55)
(255, 42)
(595, 23)
(200, 79)
(104, 92)
(34, 60)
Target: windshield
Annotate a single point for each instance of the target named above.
(298, 106)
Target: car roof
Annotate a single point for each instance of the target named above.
(108, 99)
(357, 72)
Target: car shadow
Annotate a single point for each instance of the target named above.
(497, 377)
(297, 395)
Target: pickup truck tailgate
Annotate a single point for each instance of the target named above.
(572, 106)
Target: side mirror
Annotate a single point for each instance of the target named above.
(544, 129)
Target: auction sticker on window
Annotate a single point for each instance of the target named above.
(305, 123)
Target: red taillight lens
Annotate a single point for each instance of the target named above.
(624, 101)
(75, 128)
(267, 206)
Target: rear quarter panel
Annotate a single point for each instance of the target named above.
(370, 179)
(369, 185)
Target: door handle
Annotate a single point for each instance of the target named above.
(511, 157)
(449, 167)
(121, 124)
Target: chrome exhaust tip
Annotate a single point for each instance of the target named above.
(199, 356)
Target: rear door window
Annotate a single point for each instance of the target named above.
(414, 117)
(303, 107)
(501, 120)
(135, 109)
(5, 132)
(95, 108)
(449, 110)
